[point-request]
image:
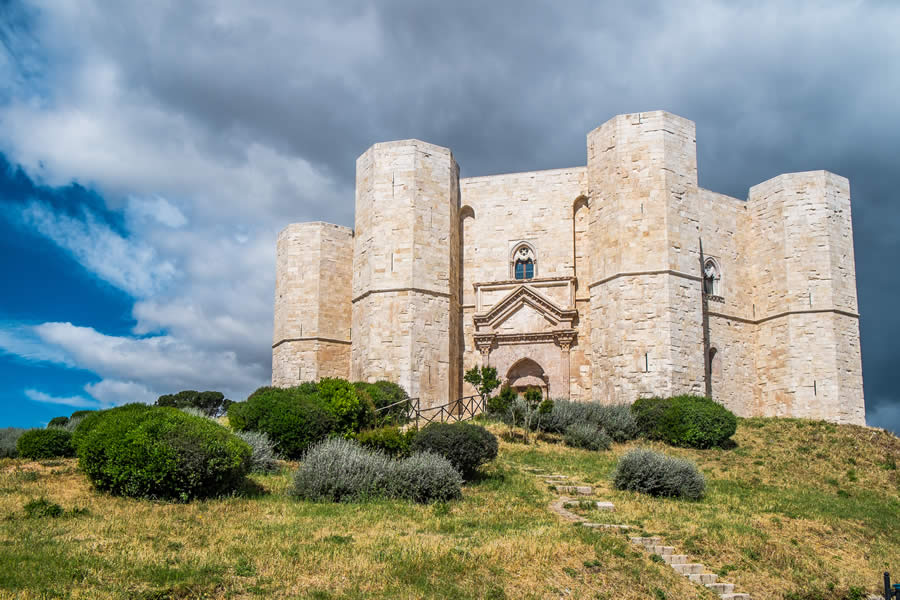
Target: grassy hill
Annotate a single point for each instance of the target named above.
(797, 509)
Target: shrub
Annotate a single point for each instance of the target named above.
(654, 473)
(425, 477)
(157, 452)
(500, 404)
(81, 414)
(8, 438)
(587, 436)
(382, 394)
(264, 458)
(210, 403)
(58, 422)
(40, 508)
(339, 396)
(616, 419)
(293, 418)
(465, 445)
(689, 421)
(87, 423)
(340, 470)
(45, 443)
(389, 440)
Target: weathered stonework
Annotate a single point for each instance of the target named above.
(614, 304)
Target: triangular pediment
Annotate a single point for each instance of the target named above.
(525, 309)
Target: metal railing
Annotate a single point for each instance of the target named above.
(411, 411)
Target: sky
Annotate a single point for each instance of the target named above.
(151, 151)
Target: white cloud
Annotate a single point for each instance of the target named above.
(158, 209)
(112, 392)
(129, 265)
(76, 401)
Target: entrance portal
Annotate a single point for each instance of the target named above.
(526, 374)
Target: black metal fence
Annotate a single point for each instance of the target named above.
(411, 411)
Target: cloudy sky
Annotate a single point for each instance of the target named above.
(150, 151)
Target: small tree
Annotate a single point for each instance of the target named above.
(211, 403)
(531, 409)
(483, 379)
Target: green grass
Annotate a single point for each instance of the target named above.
(782, 515)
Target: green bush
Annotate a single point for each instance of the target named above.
(688, 421)
(45, 443)
(293, 418)
(340, 470)
(425, 477)
(161, 452)
(41, 507)
(389, 440)
(465, 445)
(383, 394)
(654, 473)
(339, 396)
(90, 420)
(58, 422)
(81, 414)
(587, 436)
(210, 403)
(499, 405)
(8, 438)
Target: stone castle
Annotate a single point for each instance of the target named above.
(610, 281)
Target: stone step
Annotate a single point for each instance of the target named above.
(704, 578)
(606, 506)
(661, 550)
(675, 559)
(582, 490)
(735, 596)
(721, 588)
(645, 541)
(555, 476)
(688, 568)
(606, 526)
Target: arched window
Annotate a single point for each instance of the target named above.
(712, 278)
(523, 262)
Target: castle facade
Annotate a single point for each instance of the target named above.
(611, 281)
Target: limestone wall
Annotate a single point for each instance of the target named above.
(644, 233)
(406, 270)
(312, 303)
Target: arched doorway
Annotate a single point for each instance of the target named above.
(525, 374)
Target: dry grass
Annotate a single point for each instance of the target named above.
(771, 520)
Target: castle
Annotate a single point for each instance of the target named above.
(610, 281)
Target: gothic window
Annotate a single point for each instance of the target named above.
(523, 262)
(712, 279)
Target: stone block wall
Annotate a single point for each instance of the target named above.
(405, 311)
(312, 303)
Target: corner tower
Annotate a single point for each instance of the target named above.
(645, 291)
(405, 297)
(312, 303)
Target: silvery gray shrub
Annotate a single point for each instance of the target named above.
(650, 472)
(340, 470)
(615, 419)
(425, 477)
(264, 458)
(587, 436)
(8, 438)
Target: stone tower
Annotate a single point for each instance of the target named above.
(645, 284)
(406, 270)
(312, 303)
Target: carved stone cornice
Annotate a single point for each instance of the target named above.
(564, 338)
(525, 294)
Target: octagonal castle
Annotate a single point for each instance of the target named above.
(611, 281)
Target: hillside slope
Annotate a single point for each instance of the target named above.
(796, 507)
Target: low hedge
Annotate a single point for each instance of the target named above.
(45, 443)
(587, 436)
(383, 394)
(465, 445)
(161, 452)
(688, 421)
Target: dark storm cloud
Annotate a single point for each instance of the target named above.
(774, 87)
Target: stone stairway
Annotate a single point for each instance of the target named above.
(681, 563)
